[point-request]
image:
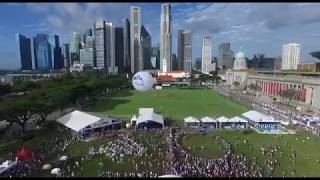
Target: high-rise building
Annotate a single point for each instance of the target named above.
(75, 47)
(290, 56)
(110, 49)
(57, 54)
(86, 57)
(174, 62)
(206, 53)
(89, 42)
(25, 52)
(66, 55)
(100, 31)
(198, 64)
(135, 39)
(155, 57)
(165, 38)
(126, 45)
(119, 49)
(42, 52)
(225, 60)
(184, 50)
(146, 49)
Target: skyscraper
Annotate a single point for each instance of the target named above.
(174, 62)
(184, 50)
(146, 50)
(25, 52)
(206, 53)
(165, 38)
(155, 57)
(225, 60)
(198, 64)
(86, 56)
(89, 42)
(290, 56)
(126, 45)
(66, 55)
(119, 49)
(100, 43)
(57, 54)
(135, 40)
(75, 47)
(42, 52)
(110, 49)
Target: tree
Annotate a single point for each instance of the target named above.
(214, 75)
(204, 77)
(79, 93)
(43, 105)
(5, 89)
(254, 87)
(292, 96)
(18, 111)
(25, 86)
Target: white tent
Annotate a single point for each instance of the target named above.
(256, 117)
(222, 119)
(147, 114)
(77, 120)
(238, 119)
(191, 121)
(169, 176)
(208, 120)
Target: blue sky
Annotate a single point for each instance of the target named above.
(256, 27)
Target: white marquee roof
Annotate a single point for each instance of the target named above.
(222, 119)
(208, 119)
(168, 176)
(258, 116)
(77, 120)
(237, 119)
(191, 119)
(147, 114)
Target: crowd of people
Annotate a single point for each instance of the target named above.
(24, 168)
(121, 148)
(148, 158)
(231, 165)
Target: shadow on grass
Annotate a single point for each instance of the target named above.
(109, 102)
(122, 93)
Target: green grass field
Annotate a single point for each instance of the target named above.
(255, 141)
(211, 148)
(173, 103)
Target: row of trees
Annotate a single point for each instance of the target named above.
(41, 98)
(212, 76)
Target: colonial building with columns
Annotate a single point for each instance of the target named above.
(272, 84)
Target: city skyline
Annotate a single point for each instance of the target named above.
(273, 31)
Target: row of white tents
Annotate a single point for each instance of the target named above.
(248, 118)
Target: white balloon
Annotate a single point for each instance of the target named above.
(142, 81)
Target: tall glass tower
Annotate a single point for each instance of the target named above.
(25, 52)
(165, 37)
(42, 52)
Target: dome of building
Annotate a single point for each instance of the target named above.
(240, 55)
(240, 61)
